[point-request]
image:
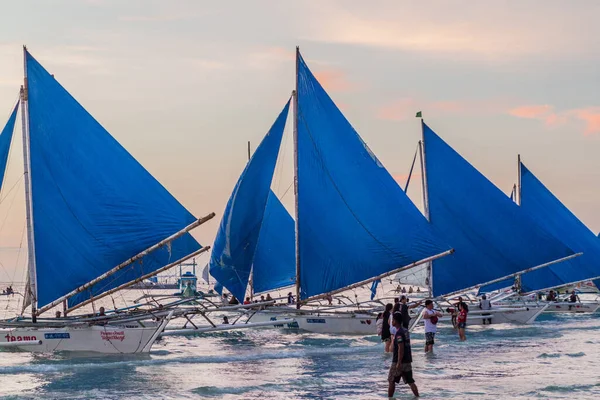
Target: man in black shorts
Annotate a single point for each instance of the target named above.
(402, 359)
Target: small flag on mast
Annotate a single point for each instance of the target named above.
(419, 115)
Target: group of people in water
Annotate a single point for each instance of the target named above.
(393, 328)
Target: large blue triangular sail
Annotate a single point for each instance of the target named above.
(355, 222)
(94, 205)
(235, 243)
(554, 217)
(274, 264)
(491, 235)
(5, 141)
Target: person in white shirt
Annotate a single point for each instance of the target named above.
(485, 304)
(430, 317)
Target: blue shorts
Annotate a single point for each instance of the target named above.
(462, 325)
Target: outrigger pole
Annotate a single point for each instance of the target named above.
(382, 276)
(141, 278)
(133, 259)
(516, 274)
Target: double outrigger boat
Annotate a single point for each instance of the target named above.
(97, 223)
(354, 225)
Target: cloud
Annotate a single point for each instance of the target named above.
(532, 111)
(334, 80)
(474, 30)
(589, 116)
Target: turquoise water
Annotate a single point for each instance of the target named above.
(558, 357)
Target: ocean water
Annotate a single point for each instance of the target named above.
(558, 357)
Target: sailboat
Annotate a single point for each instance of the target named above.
(97, 222)
(494, 239)
(550, 213)
(353, 223)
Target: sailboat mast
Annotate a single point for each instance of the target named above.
(518, 191)
(425, 201)
(31, 265)
(251, 280)
(295, 116)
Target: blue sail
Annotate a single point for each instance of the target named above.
(274, 265)
(235, 244)
(554, 217)
(355, 222)
(492, 236)
(94, 205)
(5, 140)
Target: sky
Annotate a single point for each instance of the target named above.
(183, 85)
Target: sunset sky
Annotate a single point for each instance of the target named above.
(183, 85)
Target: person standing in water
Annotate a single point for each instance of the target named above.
(404, 307)
(430, 317)
(385, 329)
(485, 304)
(401, 359)
(461, 320)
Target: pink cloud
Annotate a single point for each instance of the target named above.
(590, 116)
(532, 111)
(334, 80)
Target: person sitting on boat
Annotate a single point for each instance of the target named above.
(269, 298)
(225, 320)
(418, 290)
(485, 304)
(573, 298)
(410, 290)
(290, 297)
(329, 299)
(430, 317)
(401, 359)
(233, 301)
(247, 301)
(551, 296)
(57, 314)
(403, 290)
(224, 299)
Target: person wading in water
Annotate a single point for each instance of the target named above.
(402, 359)
(430, 317)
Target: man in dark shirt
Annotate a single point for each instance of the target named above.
(402, 359)
(404, 310)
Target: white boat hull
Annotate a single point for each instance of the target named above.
(341, 324)
(338, 324)
(566, 307)
(99, 339)
(516, 315)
